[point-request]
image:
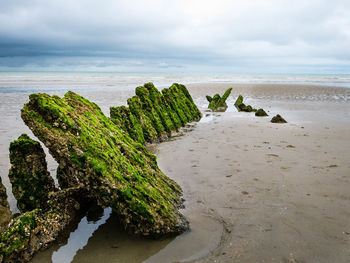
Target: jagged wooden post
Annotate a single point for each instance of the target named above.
(30, 179)
(218, 103)
(240, 106)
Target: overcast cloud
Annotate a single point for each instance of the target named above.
(247, 34)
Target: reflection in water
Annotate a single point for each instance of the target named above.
(101, 239)
(79, 238)
(110, 243)
(105, 241)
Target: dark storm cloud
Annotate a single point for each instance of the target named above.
(218, 32)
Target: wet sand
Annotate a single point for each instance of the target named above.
(255, 191)
(281, 191)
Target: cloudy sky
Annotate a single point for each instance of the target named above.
(237, 36)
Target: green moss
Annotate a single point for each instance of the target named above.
(31, 182)
(158, 114)
(242, 107)
(17, 235)
(100, 156)
(123, 117)
(150, 134)
(218, 103)
(239, 102)
(172, 101)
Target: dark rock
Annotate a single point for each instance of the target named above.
(152, 115)
(31, 182)
(97, 155)
(5, 212)
(261, 113)
(278, 119)
(218, 103)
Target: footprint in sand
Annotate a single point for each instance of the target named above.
(283, 168)
(332, 166)
(273, 155)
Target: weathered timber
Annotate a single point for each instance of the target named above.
(218, 103)
(152, 115)
(99, 156)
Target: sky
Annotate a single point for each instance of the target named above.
(237, 36)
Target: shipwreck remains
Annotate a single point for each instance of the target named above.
(278, 119)
(5, 213)
(261, 113)
(46, 211)
(31, 182)
(95, 154)
(218, 103)
(151, 115)
(37, 229)
(240, 106)
(102, 163)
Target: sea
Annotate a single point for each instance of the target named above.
(57, 81)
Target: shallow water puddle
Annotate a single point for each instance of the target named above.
(205, 236)
(105, 241)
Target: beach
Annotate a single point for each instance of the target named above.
(254, 191)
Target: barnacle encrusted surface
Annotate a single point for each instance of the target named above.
(37, 229)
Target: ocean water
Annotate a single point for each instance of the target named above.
(56, 81)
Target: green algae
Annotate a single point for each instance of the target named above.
(99, 155)
(152, 115)
(31, 182)
(240, 106)
(17, 236)
(218, 103)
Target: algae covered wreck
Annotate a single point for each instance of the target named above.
(153, 115)
(99, 161)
